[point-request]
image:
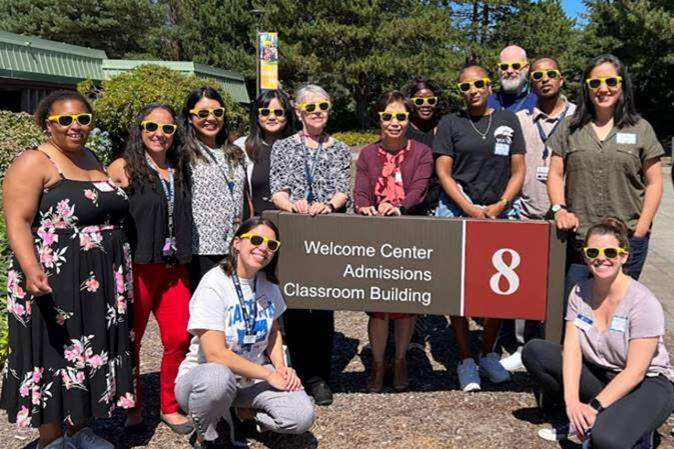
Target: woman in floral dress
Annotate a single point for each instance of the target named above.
(69, 284)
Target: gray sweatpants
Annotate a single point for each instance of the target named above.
(207, 392)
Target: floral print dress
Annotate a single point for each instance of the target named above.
(70, 354)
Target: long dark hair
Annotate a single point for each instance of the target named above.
(228, 264)
(625, 112)
(137, 168)
(192, 143)
(419, 83)
(255, 140)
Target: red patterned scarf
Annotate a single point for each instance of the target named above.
(389, 187)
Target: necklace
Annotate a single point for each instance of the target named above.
(483, 135)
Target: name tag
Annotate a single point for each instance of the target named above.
(542, 173)
(583, 322)
(619, 324)
(399, 177)
(104, 186)
(502, 149)
(249, 339)
(626, 138)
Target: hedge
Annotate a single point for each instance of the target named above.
(355, 138)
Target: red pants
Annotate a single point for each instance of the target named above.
(165, 292)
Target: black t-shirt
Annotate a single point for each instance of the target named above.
(481, 166)
(425, 137)
(259, 182)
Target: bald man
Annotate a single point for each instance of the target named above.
(514, 93)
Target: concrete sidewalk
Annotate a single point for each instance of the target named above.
(658, 274)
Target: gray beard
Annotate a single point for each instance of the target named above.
(513, 85)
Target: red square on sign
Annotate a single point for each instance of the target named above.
(506, 269)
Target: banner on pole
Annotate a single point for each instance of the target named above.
(267, 43)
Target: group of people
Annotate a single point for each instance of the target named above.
(173, 227)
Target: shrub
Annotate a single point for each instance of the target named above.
(17, 131)
(355, 138)
(120, 98)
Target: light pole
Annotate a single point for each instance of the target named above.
(257, 13)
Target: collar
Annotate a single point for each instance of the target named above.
(537, 114)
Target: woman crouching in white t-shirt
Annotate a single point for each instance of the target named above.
(613, 374)
(236, 354)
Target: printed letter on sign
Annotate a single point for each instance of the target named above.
(506, 269)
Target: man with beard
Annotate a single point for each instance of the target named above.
(538, 125)
(514, 94)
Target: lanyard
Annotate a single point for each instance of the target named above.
(545, 137)
(230, 184)
(248, 318)
(309, 172)
(169, 192)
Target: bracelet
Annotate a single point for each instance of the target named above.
(504, 201)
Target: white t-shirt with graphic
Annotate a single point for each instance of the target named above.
(215, 306)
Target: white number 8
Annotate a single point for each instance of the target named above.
(506, 271)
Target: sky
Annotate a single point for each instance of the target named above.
(573, 8)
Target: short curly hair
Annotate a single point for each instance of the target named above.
(44, 109)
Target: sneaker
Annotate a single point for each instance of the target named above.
(469, 378)
(557, 433)
(320, 390)
(87, 439)
(514, 361)
(492, 369)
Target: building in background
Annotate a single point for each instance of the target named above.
(31, 67)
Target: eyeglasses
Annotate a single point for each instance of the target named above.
(265, 112)
(479, 84)
(311, 107)
(205, 112)
(420, 101)
(610, 252)
(257, 240)
(166, 128)
(610, 81)
(67, 119)
(389, 116)
(551, 74)
(515, 65)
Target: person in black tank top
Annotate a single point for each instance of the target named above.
(152, 171)
(69, 284)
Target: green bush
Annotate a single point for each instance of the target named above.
(17, 131)
(119, 99)
(355, 138)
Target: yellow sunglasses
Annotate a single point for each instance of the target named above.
(550, 74)
(515, 65)
(205, 112)
(68, 119)
(312, 107)
(478, 84)
(420, 101)
(610, 81)
(610, 252)
(389, 116)
(257, 240)
(167, 128)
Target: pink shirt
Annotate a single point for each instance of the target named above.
(639, 315)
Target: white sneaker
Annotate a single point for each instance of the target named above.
(514, 361)
(87, 439)
(492, 369)
(557, 433)
(469, 378)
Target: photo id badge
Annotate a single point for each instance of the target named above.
(583, 322)
(542, 173)
(619, 324)
(104, 186)
(249, 339)
(502, 149)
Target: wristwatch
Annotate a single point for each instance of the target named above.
(557, 207)
(595, 404)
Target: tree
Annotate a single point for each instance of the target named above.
(117, 26)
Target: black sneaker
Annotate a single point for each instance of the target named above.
(321, 392)
(238, 432)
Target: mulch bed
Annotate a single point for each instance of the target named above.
(434, 414)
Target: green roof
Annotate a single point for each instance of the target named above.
(34, 59)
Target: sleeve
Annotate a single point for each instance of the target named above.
(650, 147)
(343, 182)
(559, 142)
(572, 306)
(279, 180)
(277, 299)
(517, 146)
(207, 310)
(647, 319)
(362, 191)
(442, 144)
(416, 191)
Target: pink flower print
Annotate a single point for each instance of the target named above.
(24, 390)
(19, 310)
(36, 396)
(126, 401)
(121, 304)
(61, 318)
(79, 377)
(48, 236)
(46, 256)
(37, 374)
(73, 352)
(29, 307)
(64, 210)
(91, 195)
(12, 279)
(23, 418)
(92, 285)
(96, 361)
(119, 280)
(85, 242)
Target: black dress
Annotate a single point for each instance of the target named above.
(70, 352)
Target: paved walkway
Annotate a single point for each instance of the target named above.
(658, 273)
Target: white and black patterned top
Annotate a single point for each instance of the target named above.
(331, 175)
(214, 208)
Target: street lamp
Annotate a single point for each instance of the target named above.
(257, 13)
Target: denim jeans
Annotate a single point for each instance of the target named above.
(447, 208)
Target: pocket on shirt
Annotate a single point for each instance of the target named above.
(578, 159)
(627, 159)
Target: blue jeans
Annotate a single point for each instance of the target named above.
(448, 208)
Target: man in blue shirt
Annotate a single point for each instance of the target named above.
(514, 93)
